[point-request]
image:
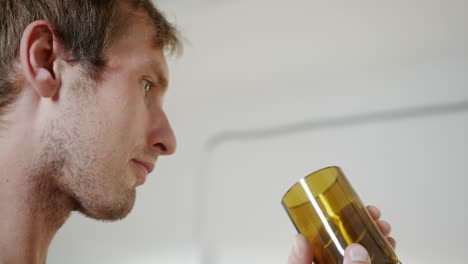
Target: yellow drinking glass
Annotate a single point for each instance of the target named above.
(325, 208)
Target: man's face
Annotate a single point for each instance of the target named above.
(106, 136)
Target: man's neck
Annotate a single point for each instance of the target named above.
(31, 208)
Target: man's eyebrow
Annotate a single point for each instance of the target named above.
(162, 81)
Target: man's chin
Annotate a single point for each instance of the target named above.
(105, 212)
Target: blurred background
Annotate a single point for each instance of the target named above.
(268, 91)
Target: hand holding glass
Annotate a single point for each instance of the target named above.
(325, 208)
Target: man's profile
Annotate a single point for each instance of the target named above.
(82, 124)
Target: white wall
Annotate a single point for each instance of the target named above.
(272, 90)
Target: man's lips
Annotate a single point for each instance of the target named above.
(148, 165)
(144, 169)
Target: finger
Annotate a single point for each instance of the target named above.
(301, 252)
(385, 227)
(392, 242)
(356, 254)
(374, 212)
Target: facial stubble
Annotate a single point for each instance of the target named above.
(74, 166)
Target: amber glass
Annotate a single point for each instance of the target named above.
(325, 208)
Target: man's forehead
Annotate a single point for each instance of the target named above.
(139, 27)
(143, 22)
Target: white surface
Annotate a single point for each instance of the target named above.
(412, 169)
(256, 65)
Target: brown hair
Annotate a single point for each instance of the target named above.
(85, 28)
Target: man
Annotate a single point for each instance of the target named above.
(81, 118)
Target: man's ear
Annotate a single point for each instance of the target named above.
(39, 50)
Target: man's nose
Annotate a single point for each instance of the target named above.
(162, 138)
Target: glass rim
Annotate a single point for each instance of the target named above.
(334, 167)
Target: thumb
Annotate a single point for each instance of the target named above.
(356, 254)
(301, 252)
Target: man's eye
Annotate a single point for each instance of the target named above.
(147, 85)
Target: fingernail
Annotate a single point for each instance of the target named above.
(298, 246)
(358, 253)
